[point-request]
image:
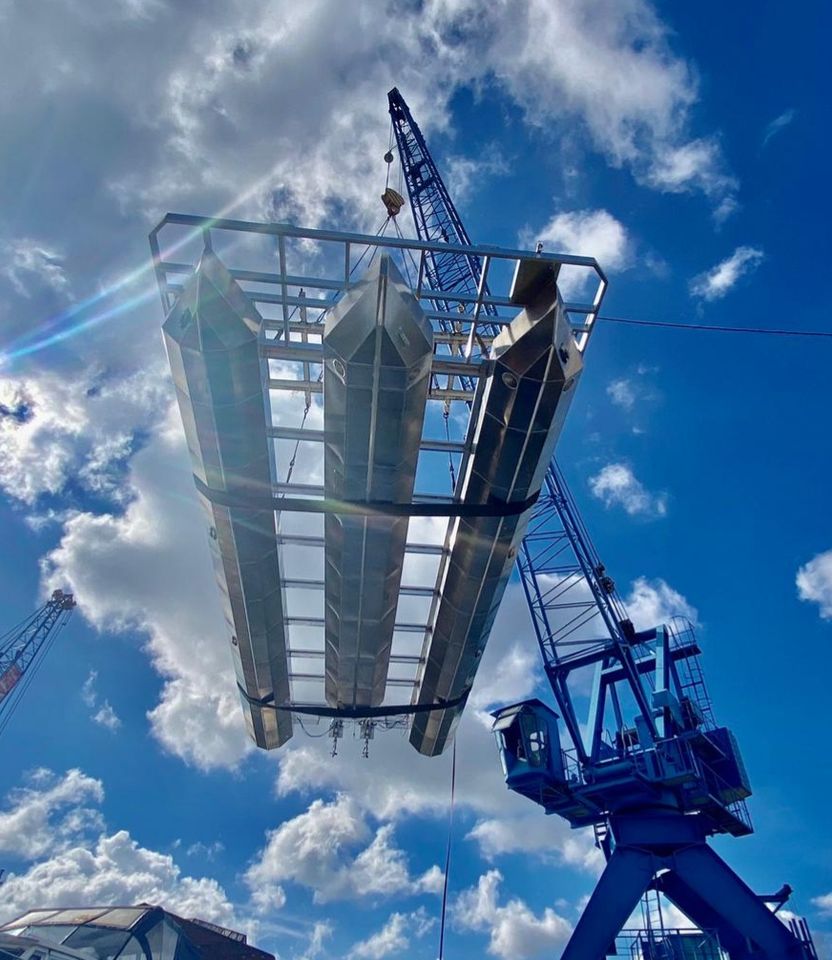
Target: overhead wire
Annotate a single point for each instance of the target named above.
(714, 328)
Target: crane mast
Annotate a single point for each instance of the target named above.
(646, 764)
(23, 648)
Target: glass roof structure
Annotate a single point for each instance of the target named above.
(142, 932)
(368, 451)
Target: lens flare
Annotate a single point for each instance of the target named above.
(88, 313)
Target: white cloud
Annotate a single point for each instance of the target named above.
(622, 392)
(692, 166)
(321, 932)
(30, 265)
(396, 782)
(515, 932)
(617, 485)
(106, 717)
(88, 691)
(59, 429)
(824, 904)
(465, 175)
(558, 843)
(777, 124)
(56, 821)
(150, 569)
(604, 69)
(713, 284)
(209, 851)
(326, 849)
(50, 813)
(814, 583)
(392, 938)
(588, 233)
(114, 869)
(653, 602)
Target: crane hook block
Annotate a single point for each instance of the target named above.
(393, 201)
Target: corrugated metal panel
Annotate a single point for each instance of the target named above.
(377, 349)
(537, 365)
(211, 334)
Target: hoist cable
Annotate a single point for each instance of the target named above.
(447, 857)
(446, 415)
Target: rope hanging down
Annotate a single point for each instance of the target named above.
(447, 857)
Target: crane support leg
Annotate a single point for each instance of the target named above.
(625, 878)
(710, 878)
(667, 851)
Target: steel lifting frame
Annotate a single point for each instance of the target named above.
(465, 321)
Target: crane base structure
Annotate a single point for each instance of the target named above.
(667, 851)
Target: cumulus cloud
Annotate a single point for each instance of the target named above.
(713, 284)
(617, 485)
(49, 813)
(814, 583)
(393, 937)
(652, 602)
(589, 233)
(331, 850)
(396, 782)
(59, 430)
(515, 932)
(558, 843)
(179, 105)
(692, 166)
(149, 569)
(605, 69)
(114, 869)
(55, 822)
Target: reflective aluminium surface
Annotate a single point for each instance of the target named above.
(536, 368)
(211, 336)
(377, 358)
(367, 449)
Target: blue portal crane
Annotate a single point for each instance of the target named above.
(23, 648)
(646, 764)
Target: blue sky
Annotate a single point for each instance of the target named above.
(683, 146)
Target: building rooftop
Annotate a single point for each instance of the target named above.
(140, 932)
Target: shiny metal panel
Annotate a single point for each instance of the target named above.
(211, 335)
(377, 348)
(536, 366)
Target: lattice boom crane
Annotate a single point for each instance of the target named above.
(23, 648)
(646, 764)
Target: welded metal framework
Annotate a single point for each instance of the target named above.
(297, 280)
